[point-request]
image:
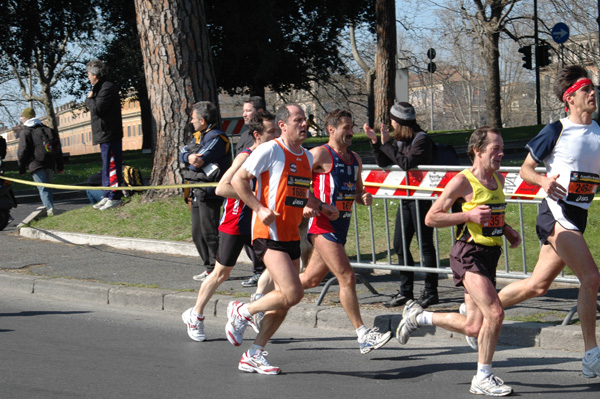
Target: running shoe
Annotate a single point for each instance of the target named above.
(472, 341)
(373, 339)
(258, 317)
(195, 325)
(100, 204)
(490, 386)
(257, 363)
(202, 276)
(591, 369)
(236, 323)
(252, 281)
(408, 324)
(111, 204)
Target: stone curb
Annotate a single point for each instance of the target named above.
(326, 317)
(139, 244)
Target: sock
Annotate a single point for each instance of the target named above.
(255, 348)
(592, 354)
(244, 311)
(425, 319)
(199, 316)
(361, 331)
(483, 371)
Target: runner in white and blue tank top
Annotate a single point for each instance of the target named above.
(569, 148)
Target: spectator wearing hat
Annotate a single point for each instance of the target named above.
(40, 153)
(409, 148)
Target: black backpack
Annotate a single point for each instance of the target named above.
(443, 154)
(45, 146)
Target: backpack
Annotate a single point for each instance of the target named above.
(45, 146)
(443, 154)
(132, 177)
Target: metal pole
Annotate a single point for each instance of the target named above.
(431, 90)
(538, 102)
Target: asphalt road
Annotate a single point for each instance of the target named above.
(57, 349)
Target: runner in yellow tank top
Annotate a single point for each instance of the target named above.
(473, 263)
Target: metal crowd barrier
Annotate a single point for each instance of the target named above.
(392, 186)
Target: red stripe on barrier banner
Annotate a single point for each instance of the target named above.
(442, 184)
(376, 176)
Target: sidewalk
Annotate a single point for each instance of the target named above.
(158, 275)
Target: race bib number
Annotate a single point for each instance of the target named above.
(495, 226)
(344, 202)
(297, 191)
(582, 187)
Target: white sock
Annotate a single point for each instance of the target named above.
(361, 331)
(244, 311)
(592, 353)
(425, 319)
(255, 348)
(483, 371)
(200, 316)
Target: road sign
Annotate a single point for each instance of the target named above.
(560, 33)
(431, 53)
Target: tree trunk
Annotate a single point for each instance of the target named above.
(179, 72)
(492, 96)
(148, 128)
(385, 74)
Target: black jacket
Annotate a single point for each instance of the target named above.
(408, 155)
(105, 109)
(31, 140)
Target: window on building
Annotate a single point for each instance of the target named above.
(128, 131)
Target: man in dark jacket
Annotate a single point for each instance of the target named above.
(206, 158)
(104, 103)
(252, 106)
(39, 152)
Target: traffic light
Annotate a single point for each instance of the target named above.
(542, 55)
(526, 51)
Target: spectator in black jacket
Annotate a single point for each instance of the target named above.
(40, 153)
(104, 103)
(410, 148)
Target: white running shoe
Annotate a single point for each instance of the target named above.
(373, 339)
(236, 323)
(111, 204)
(195, 325)
(408, 324)
(472, 341)
(202, 276)
(100, 204)
(257, 363)
(258, 317)
(591, 369)
(490, 386)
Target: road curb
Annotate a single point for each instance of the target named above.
(126, 243)
(303, 315)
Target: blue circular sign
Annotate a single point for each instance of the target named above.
(560, 33)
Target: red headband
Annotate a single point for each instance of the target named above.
(574, 87)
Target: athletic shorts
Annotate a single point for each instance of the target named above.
(476, 258)
(329, 236)
(572, 218)
(230, 247)
(292, 248)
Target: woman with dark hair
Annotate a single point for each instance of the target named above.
(409, 148)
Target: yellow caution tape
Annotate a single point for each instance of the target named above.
(122, 188)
